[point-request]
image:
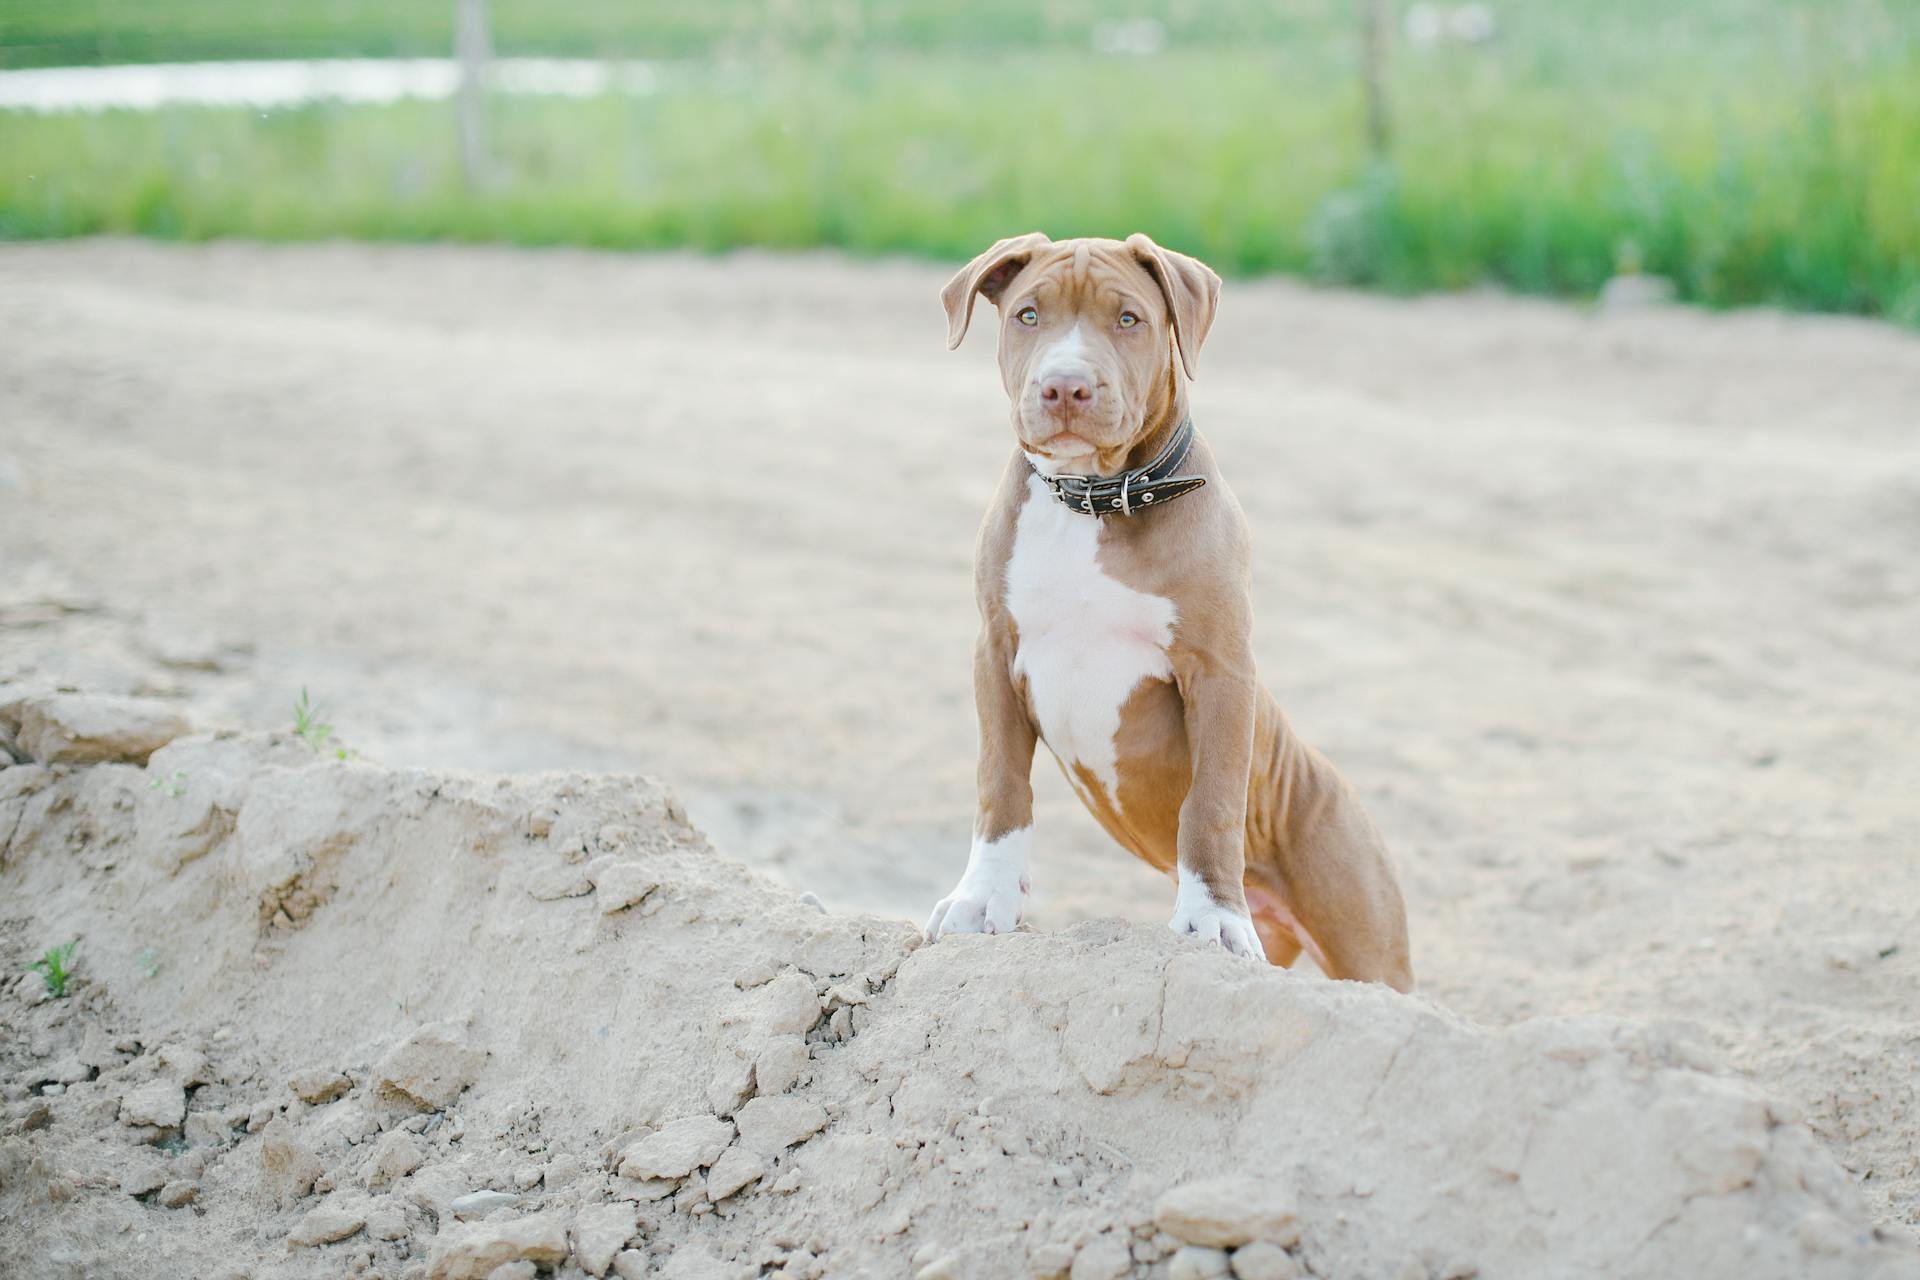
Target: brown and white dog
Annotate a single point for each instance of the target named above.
(1124, 641)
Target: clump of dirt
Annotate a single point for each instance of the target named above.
(332, 1019)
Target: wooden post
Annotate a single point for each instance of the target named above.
(473, 45)
(1373, 71)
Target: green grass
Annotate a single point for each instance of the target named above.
(53, 966)
(1756, 151)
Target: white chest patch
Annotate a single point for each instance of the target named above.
(1087, 640)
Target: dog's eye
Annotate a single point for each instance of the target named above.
(1128, 319)
(1029, 317)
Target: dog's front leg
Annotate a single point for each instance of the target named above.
(1211, 902)
(992, 894)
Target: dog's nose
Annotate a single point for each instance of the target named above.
(1064, 391)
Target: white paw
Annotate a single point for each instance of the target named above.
(992, 895)
(1196, 914)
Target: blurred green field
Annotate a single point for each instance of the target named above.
(1754, 151)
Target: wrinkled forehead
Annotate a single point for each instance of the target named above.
(1083, 273)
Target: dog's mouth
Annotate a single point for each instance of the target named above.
(1066, 444)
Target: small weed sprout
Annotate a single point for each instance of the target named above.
(53, 967)
(175, 786)
(308, 725)
(149, 962)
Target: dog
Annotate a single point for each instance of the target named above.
(1112, 574)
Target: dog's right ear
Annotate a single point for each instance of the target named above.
(990, 273)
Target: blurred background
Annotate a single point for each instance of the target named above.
(1730, 151)
(1605, 606)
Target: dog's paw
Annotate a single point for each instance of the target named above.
(979, 905)
(992, 895)
(1197, 915)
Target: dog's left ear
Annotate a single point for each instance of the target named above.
(990, 273)
(1192, 292)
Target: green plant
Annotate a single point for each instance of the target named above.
(149, 961)
(175, 785)
(309, 727)
(54, 967)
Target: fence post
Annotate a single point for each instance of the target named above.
(473, 44)
(1373, 71)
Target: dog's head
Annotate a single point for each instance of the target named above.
(1095, 337)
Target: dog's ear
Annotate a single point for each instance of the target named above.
(1192, 291)
(990, 273)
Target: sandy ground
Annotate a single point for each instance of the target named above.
(1610, 618)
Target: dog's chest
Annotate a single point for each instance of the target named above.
(1086, 640)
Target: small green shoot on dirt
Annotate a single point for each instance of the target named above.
(54, 967)
(308, 725)
(149, 961)
(175, 786)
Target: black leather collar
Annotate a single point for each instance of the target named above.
(1154, 485)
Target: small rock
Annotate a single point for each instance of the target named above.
(789, 1005)
(560, 1170)
(78, 728)
(396, 1154)
(731, 1085)
(161, 1103)
(184, 1063)
(474, 1251)
(1264, 1260)
(324, 1226)
(550, 884)
(600, 1231)
(521, 1270)
(288, 1167)
(622, 885)
(179, 1192)
(1227, 1212)
(732, 1171)
(777, 1067)
(631, 1264)
(144, 1178)
(1197, 1262)
(432, 1066)
(771, 1125)
(478, 1204)
(387, 1221)
(1051, 1260)
(319, 1086)
(677, 1149)
(1104, 1257)
(942, 1268)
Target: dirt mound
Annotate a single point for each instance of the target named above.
(333, 1019)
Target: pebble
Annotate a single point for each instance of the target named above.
(387, 1221)
(733, 1170)
(1226, 1212)
(161, 1103)
(396, 1154)
(178, 1193)
(622, 885)
(677, 1149)
(319, 1086)
(777, 1066)
(771, 1125)
(1197, 1262)
(324, 1225)
(1264, 1260)
(601, 1231)
(1105, 1257)
(478, 1204)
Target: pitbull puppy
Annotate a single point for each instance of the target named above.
(1116, 628)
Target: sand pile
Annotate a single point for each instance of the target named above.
(335, 1019)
